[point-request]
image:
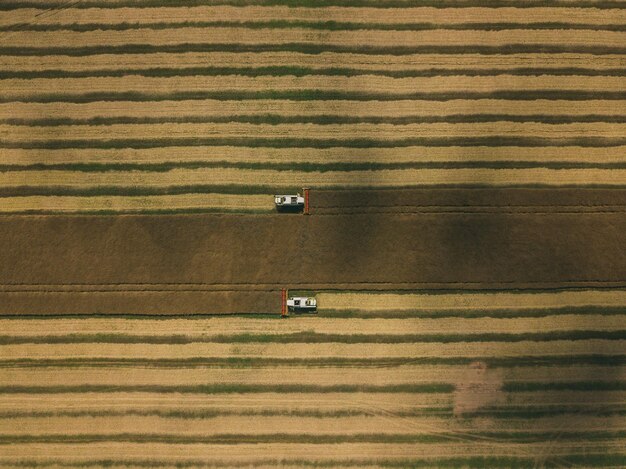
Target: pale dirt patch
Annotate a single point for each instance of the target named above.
(313, 155)
(476, 387)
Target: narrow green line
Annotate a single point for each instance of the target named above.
(276, 119)
(139, 191)
(313, 337)
(426, 388)
(314, 49)
(257, 362)
(315, 95)
(306, 71)
(315, 4)
(256, 142)
(317, 25)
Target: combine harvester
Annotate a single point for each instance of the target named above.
(293, 203)
(297, 304)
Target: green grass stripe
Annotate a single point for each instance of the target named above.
(51, 4)
(306, 71)
(422, 388)
(309, 167)
(311, 337)
(261, 142)
(605, 458)
(319, 438)
(306, 48)
(317, 25)
(535, 386)
(259, 362)
(314, 95)
(276, 119)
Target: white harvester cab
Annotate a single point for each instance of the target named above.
(301, 304)
(289, 201)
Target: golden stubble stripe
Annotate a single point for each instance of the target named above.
(383, 132)
(358, 38)
(334, 350)
(459, 445)
(410, 154)
(472, 301)
(20, 89)
(288, 179)
(137, 203)
(306, 376)
(297, 425)
(339, 14)
(212, 326)
(317, 61)
(210, 108)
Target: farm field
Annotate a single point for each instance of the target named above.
(464, 235)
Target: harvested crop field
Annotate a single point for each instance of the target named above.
(464, 233)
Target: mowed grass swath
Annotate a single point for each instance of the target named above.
(356, 88)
